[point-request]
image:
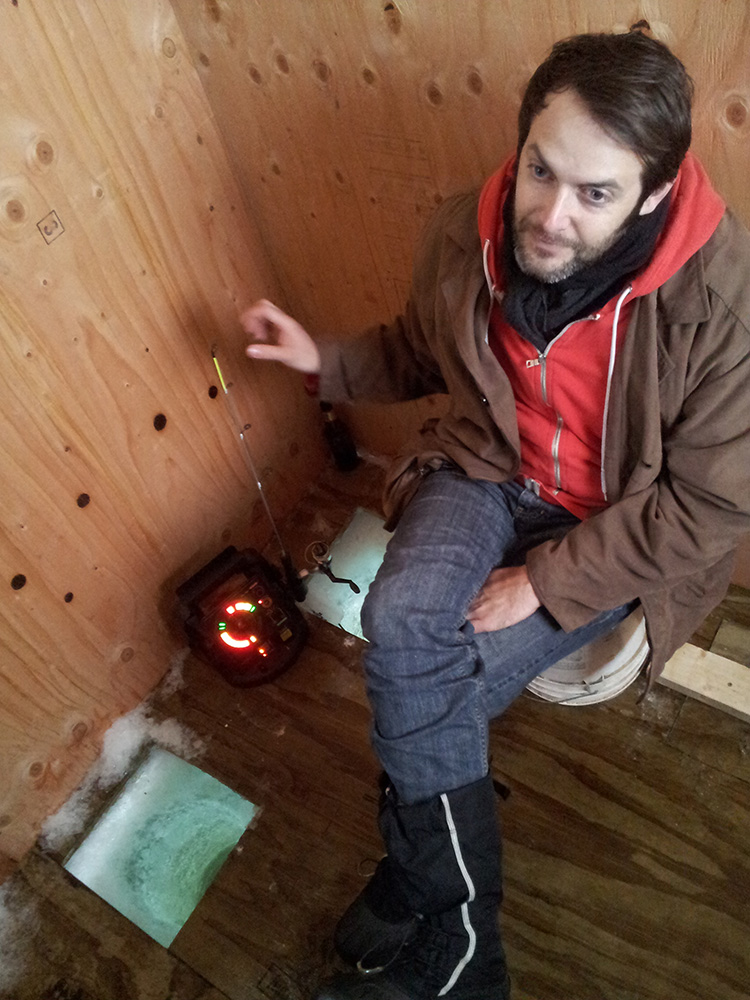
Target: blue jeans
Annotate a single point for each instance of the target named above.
(433, 683)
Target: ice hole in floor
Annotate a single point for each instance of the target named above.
(355, 555)
(159, 845)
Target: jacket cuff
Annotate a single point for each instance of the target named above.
(567, 612)
(331, 382)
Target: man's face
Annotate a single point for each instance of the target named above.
(575, 191)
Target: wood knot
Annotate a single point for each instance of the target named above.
(79, 731)
(322, 70)
(44, 153)
(736, 113)
(393, 18)
(434, 94)
(474, 81)
(169, 48)
(15, 210)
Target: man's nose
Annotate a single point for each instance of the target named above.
(556, 210)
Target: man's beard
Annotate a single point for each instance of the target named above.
(583, 254)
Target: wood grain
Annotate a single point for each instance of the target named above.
(710, 678)
(126, 251)
(626, 830)
(626, 876)
(163, 165)
(71, 945)
(348, 125)
(733, 642)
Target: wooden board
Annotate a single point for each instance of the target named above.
(617, 839)
(126, 251)
(710, 678)
(129, 241)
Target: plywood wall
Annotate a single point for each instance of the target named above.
(126, 251)
(348, 121)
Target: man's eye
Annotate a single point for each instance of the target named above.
(538, 172)
(596, 196)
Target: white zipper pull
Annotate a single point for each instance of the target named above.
(533, 362)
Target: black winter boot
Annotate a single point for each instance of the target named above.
(426, 926)
(381, 920)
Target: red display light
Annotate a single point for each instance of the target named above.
(237, 641)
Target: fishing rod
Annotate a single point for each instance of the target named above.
(293, 579)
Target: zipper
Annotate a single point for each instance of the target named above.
(490, 286)
(541, 361)
(610, 373)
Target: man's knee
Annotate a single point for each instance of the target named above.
(385, 614)
(415, 610)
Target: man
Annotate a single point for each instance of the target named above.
(588, 314)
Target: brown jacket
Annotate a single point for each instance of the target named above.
(677, 464)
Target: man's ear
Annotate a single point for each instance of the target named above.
(653, 199)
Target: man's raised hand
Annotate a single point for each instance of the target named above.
(277, 337)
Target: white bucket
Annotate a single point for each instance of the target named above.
(598, 671)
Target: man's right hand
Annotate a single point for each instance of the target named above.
(277, 337)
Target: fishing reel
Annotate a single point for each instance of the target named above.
(320, 554)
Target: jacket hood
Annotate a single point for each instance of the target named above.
(695, 211)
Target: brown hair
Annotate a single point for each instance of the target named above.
(634, 88)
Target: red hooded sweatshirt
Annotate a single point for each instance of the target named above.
(562, 394)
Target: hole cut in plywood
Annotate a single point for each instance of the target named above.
(159, 846)
(355, 555)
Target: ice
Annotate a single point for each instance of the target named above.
(158, 847)
(123, 742)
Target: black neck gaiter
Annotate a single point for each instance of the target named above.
(538, 310)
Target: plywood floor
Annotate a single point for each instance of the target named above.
(626, 839)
